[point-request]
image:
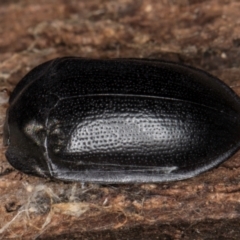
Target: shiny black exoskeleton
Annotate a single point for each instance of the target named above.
(120, 120)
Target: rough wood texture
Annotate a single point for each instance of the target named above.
(204, 34)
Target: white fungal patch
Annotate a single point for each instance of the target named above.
(43, 200)
(4, 96)
(71, 208)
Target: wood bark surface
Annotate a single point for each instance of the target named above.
(201, 33)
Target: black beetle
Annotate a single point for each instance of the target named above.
(120, 121)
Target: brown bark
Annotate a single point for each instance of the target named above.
(205, 34)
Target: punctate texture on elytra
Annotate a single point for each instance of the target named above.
(120, 120)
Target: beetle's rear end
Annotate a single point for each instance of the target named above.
(121, 120)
